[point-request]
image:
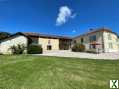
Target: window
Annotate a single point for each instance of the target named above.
(49, 47)
(92, 46)
(74, 41)
(92, 38)
(34, 41)
(82, 40)
(49, 42)
(109, 37)
(110, 45)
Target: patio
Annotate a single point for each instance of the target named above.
(68, 53)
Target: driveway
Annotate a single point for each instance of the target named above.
(68, 53)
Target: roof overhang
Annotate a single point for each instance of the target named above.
(15, 35)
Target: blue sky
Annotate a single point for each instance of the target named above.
(60, 17)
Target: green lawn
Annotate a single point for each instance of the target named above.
(37, 72)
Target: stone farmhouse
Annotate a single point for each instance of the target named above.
(97, 40)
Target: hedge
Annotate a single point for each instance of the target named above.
(35, 49)
(78, 48)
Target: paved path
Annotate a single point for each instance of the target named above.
(67, 53)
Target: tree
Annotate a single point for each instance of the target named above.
(18, 49)
(4, 35)
(78, 48)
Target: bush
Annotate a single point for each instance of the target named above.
(1, 53)
(91, 51)
(78, 48)
(18, 49)
(35, 49)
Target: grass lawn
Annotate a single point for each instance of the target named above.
(38, 72)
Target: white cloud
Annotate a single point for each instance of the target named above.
(74, 31)
(65, 13)
(74, 15)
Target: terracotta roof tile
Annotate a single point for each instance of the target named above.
(92, 31)
(45, 35)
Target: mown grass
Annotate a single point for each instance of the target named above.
(38, 72)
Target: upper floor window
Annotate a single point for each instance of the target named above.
(49, 42)
(109, 37)
(92, 38)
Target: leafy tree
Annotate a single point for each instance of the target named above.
(18, 49)
(4, 35)
(78, 48)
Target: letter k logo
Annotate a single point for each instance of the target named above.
(113, 83)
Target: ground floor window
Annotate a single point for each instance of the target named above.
(49, 47)
(92, 46)
(110, 45)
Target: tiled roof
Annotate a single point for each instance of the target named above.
(45, 35)
(91, 31)
(31, 34)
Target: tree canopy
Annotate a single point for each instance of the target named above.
(4, 35)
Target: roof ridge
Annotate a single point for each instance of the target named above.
(91, 30)
(45, 35)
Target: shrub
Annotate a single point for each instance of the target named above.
(35, 49)
(1, 53)
(78, 48)
(91, 51)
(18, 49)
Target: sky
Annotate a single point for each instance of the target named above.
(58, 17)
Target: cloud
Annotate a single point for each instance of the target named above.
(65, 13)
(74, 15)
(74, 31)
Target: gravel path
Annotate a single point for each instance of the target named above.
(67, 53)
